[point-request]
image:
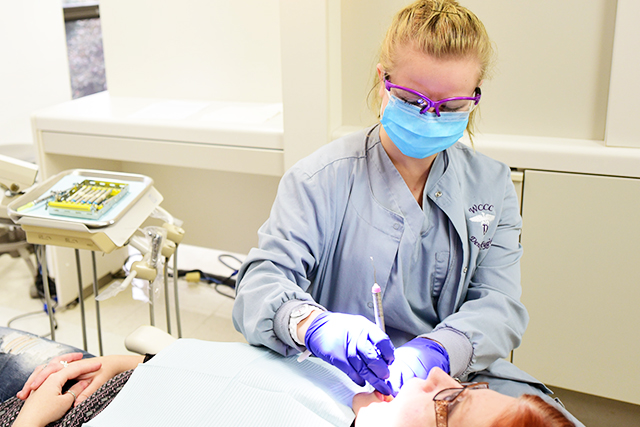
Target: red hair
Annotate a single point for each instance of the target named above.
(532, 411)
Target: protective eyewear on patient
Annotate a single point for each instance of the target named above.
(413, 97)
(447, 399)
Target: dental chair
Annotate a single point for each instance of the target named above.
(148, 340)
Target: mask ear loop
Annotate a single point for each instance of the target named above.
(388, 92)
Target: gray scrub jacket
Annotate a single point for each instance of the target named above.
(449, 271)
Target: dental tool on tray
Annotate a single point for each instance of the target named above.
(87, 199)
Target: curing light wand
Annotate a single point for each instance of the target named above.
(376, 292)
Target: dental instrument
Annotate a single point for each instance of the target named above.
(88, 199)
(376, 292)
(35, 202)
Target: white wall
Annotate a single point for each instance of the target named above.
(554, 63)
(552, 74)
(623, 127)
(212, 50)
(554, 58)
(198, 49)
(551, 79)
(35, 71)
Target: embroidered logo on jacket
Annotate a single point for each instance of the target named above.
(485, 219)
(484, 215)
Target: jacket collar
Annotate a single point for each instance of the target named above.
(440, 188)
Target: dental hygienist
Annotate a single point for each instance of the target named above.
(440, 220)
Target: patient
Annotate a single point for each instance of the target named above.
(442, 401)
(280, 390)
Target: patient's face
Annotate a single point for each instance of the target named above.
(414, 405)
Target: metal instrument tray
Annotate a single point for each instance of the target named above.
(138, 186)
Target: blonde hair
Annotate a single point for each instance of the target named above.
(439, 28)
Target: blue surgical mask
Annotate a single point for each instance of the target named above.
(421, 135)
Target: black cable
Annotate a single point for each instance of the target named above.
(21, 316)
(216, 280)
(224, 294)
(221, 258)
(33, 313)
(39, 253)
(212, 278)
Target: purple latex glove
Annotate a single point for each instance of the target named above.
(353, 344)
(415, 359)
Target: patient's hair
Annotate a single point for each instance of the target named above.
(532, 411)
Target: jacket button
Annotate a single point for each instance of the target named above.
(370, 304)
(464, 270)
(438, 193)
(396, 226)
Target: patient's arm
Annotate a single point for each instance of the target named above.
(111, 366)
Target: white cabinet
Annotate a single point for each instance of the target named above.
(225, 136)
(580, 282)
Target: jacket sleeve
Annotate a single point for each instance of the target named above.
(491, 320)
(276, 276)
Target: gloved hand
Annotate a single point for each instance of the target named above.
(415, 359)
(354, 345)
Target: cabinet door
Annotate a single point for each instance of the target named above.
(581, 284)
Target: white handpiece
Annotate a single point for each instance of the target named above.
(376, 292)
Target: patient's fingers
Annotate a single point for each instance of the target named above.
(94, 384)
(76, 389)
(54, 366)
(41, 373)
(26, 389)
(74, 371)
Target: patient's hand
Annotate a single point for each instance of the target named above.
(48, 403)
(111, 366)
(42, 372)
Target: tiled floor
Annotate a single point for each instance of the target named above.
(205, 314)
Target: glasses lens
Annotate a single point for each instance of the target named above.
(457, 106)
(455, 395)
(452, 396)
(449, 394)
(409, 97)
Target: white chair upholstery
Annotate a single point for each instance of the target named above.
(148, 339)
